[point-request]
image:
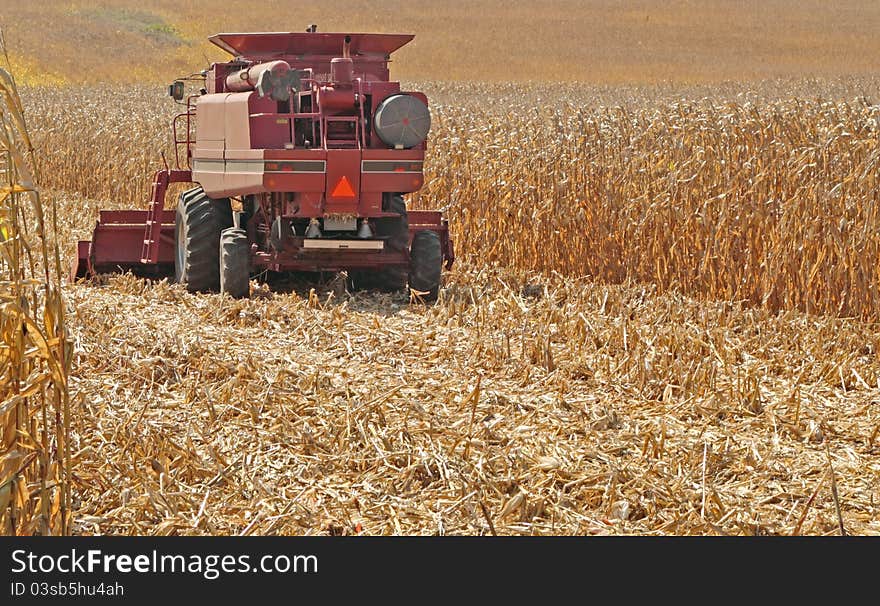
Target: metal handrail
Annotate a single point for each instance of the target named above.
(187, 140)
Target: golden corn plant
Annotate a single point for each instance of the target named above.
(34, 356)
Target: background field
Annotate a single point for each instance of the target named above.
(663, 318)
(599, 41)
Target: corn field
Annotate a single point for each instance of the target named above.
(662, 320)
(711, 198)
(775, 205)
(34, 355)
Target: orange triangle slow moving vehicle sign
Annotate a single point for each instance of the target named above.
(343, 189)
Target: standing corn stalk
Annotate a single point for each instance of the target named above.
(34, 353)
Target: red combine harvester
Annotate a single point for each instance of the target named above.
(302, 151)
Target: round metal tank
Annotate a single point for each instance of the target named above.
(402, 121)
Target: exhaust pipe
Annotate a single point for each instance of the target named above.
(342, 68)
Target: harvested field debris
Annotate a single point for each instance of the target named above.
(587, 409)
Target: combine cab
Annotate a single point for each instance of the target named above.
(300, 150)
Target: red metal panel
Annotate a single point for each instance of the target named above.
(119, 237)
(370, 204)
(272, 44)
(293, 182)
(296, 170)
(308, 204)
(401, 182)
(422, 218)
(305, 260)
(131, 217)
(121, 244)
(267, 128)
(393, 154)
(343, 175)
(392, 180)
(295, 154)
(269, 131)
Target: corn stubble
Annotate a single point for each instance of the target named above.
(662, 318)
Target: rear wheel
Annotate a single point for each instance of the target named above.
(197, 228)
(235, 261)
(395, 231)
(425, 264)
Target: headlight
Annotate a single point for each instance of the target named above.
(402, 121)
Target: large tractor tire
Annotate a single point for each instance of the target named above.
(426, 264)
(197, 228)
(235, 269)
(396, 230)
(396, 234)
